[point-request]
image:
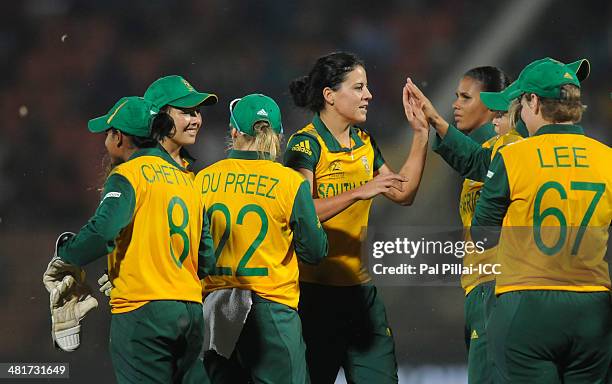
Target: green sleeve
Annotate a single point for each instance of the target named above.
(206, 252)
(300, 155)
(97, 237)
(379, 160)
(309, 238)
(492, 204)
(463, 154)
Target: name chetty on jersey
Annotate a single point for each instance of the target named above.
(154, 173)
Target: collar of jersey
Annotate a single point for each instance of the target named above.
(330, 141)
(248, 155)
(483, 133)
(159, 151)
(560, 128)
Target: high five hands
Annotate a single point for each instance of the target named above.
(429, 111)
(414, 109)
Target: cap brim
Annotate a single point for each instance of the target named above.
(194, 99)
(98, 124)
(495, 101)
(582, 68)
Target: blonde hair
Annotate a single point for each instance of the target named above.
(514, 113)
(566, 108)
(265, 142)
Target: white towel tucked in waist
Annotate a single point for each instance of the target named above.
(225, 312)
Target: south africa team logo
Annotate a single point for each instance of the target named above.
(189, 86)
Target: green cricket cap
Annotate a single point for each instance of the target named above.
(544, 77)
(500, 101)
(582, 69)
(175, 91)
(132, 115)
(247, 111)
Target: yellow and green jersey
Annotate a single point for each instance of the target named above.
(336, 170)
(552, 195)
(149, 222)
(470, 192)
(472, 161)
(469, 157)
(261, 215)
(470, 280)
(483, 137)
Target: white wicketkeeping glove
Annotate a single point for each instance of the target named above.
(58, 268)
(69, 302)
(70, 299)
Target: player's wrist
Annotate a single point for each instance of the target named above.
(440, 125)
(420, 136)
(357, 194)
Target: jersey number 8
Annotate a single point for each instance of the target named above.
(178, 229)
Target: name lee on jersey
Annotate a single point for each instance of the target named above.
(563, 157)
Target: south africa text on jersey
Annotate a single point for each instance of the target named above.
(248, 184)
(325, 190)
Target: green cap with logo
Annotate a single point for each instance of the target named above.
(543, 77)
(132, 115)
(247, 111)
(175, 91)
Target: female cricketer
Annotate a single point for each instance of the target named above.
(474, 118)
(262, 217)
(472, 161)
(149, 223)
(344, 318)
(551, 197)
(177, 97)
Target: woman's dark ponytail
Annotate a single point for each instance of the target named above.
(299, 91)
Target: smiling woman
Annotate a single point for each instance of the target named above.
(187, 124)
(343, 316)
(176, 97)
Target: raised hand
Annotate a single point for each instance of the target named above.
(427, 107)
(413, 108)
(430, 112)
